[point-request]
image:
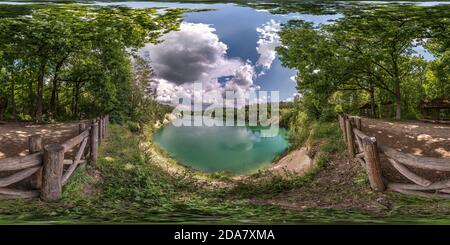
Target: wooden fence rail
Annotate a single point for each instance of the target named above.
(46, 168)
(367, 152)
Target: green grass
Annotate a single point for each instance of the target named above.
(133, 189)
(325, 135)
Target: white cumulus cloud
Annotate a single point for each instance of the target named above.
(268, 41)
(194, 54)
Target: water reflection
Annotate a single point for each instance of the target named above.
(231, 149)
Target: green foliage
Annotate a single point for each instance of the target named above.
(133, 127)
(323, 135)
(75, 189)
(299, 128)
(73, 61)
(131, 188)
(368, 57)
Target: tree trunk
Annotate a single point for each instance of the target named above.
(396, 76)
(40, 94)
(398, 101)
(57, 111)
(53, 98)
(31, 98)
(72, 106)
(372, 99)
(3, 104)
(76, 99)
(13, 100)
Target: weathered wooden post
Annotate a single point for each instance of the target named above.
(81, 127)
(358, 122)
(342, 125)
(52, 173)
(350, 138)
(93, 140)
(35, 145)
(373, 163)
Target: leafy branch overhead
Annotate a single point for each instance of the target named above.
(76, 55)
(371, 51)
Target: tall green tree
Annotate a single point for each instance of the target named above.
(77, 54)
(365, 50)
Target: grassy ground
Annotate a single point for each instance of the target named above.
(126, 186)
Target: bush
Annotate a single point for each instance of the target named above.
(299, 128)
(133, 127)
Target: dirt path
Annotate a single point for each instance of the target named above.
(339, 185)
(14, 136)
(418, 138)
(343, 184)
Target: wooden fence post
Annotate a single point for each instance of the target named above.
(93, 145)
(35, 145)
(342, 125)
(52, 173)
(81, 127)
(350, 138)
(373, 163)
(358, 122)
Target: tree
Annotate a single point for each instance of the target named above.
(75, 57)
(365, 50)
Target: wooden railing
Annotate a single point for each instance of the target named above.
(367, 151)
(46, 167)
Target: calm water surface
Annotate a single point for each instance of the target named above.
(235, 150)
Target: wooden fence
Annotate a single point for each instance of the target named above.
(367, 152)
(46, 167)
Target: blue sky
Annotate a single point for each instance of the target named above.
(229, 48)
(239, 44)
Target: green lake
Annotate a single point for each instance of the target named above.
(235, 149)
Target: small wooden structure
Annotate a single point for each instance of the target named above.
(46, 167)
(435, 110)
(366, 150)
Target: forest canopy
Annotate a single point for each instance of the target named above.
(72, 61)
(370, 56)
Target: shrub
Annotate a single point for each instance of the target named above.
(133, 126)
